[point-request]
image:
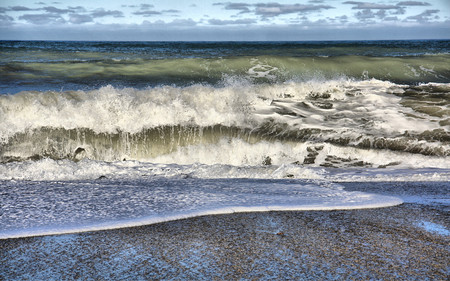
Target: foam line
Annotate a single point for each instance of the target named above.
(222, 200)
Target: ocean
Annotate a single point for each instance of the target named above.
(99, 135)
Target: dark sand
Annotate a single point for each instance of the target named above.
(405, 242)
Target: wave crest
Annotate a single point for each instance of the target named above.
(112, 124)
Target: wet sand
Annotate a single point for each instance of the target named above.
(410, 241)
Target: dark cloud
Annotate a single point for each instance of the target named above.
(425, 16)
(272, 9)
(367, 15)
(171, 11)
(145, 10)
(343, 19)
(243, 7)
(98, 13)
(146, 13)
(230, 22)
(276, 9)
(368, 12)
(77, 9)
(80, 19)
(41, 19)
(54, 10)
(74, 15)
(391, 19)
(19, 9)
(146, 6)
(400, 11)
(5, 20)
(366, 5)
(413, 3)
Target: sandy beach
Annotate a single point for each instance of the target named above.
(406, 242)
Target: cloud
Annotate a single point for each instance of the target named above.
(54, 10)
(98, 13)
(5, 20)
(276, 9)
(369, 11)
(366, 5)
(413, 3)
(19, 9)
(182, 22)
(73, 15)
(80, 19)
(272, 9)
(177, 23)
(391, 19)
(230, 22)
(425, 16)
(243, 7)
(171, 11)
(77, 9)
(41, 19)
(239, 16)
(146, 6)
(146, 13)
(145, 10)
(184, 31)
(366, 15)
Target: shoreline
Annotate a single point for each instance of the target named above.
(146, 221)
(384, 243)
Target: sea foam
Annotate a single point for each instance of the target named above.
(68, 207)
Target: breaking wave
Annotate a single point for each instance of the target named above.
(276, 123)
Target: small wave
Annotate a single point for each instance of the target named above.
(92, 72)
(153, 201)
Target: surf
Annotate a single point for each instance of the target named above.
(93, 206)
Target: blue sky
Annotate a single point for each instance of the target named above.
(224, 20)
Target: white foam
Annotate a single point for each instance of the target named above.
(261, 70)
(237, 103)
(434, 228)
(87, 206)
(240, 153)
(128, 110)
(236, 160)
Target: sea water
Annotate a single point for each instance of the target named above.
(97, 135)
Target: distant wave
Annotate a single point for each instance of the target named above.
(187, 71)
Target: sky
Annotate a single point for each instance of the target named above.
(218, 20)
